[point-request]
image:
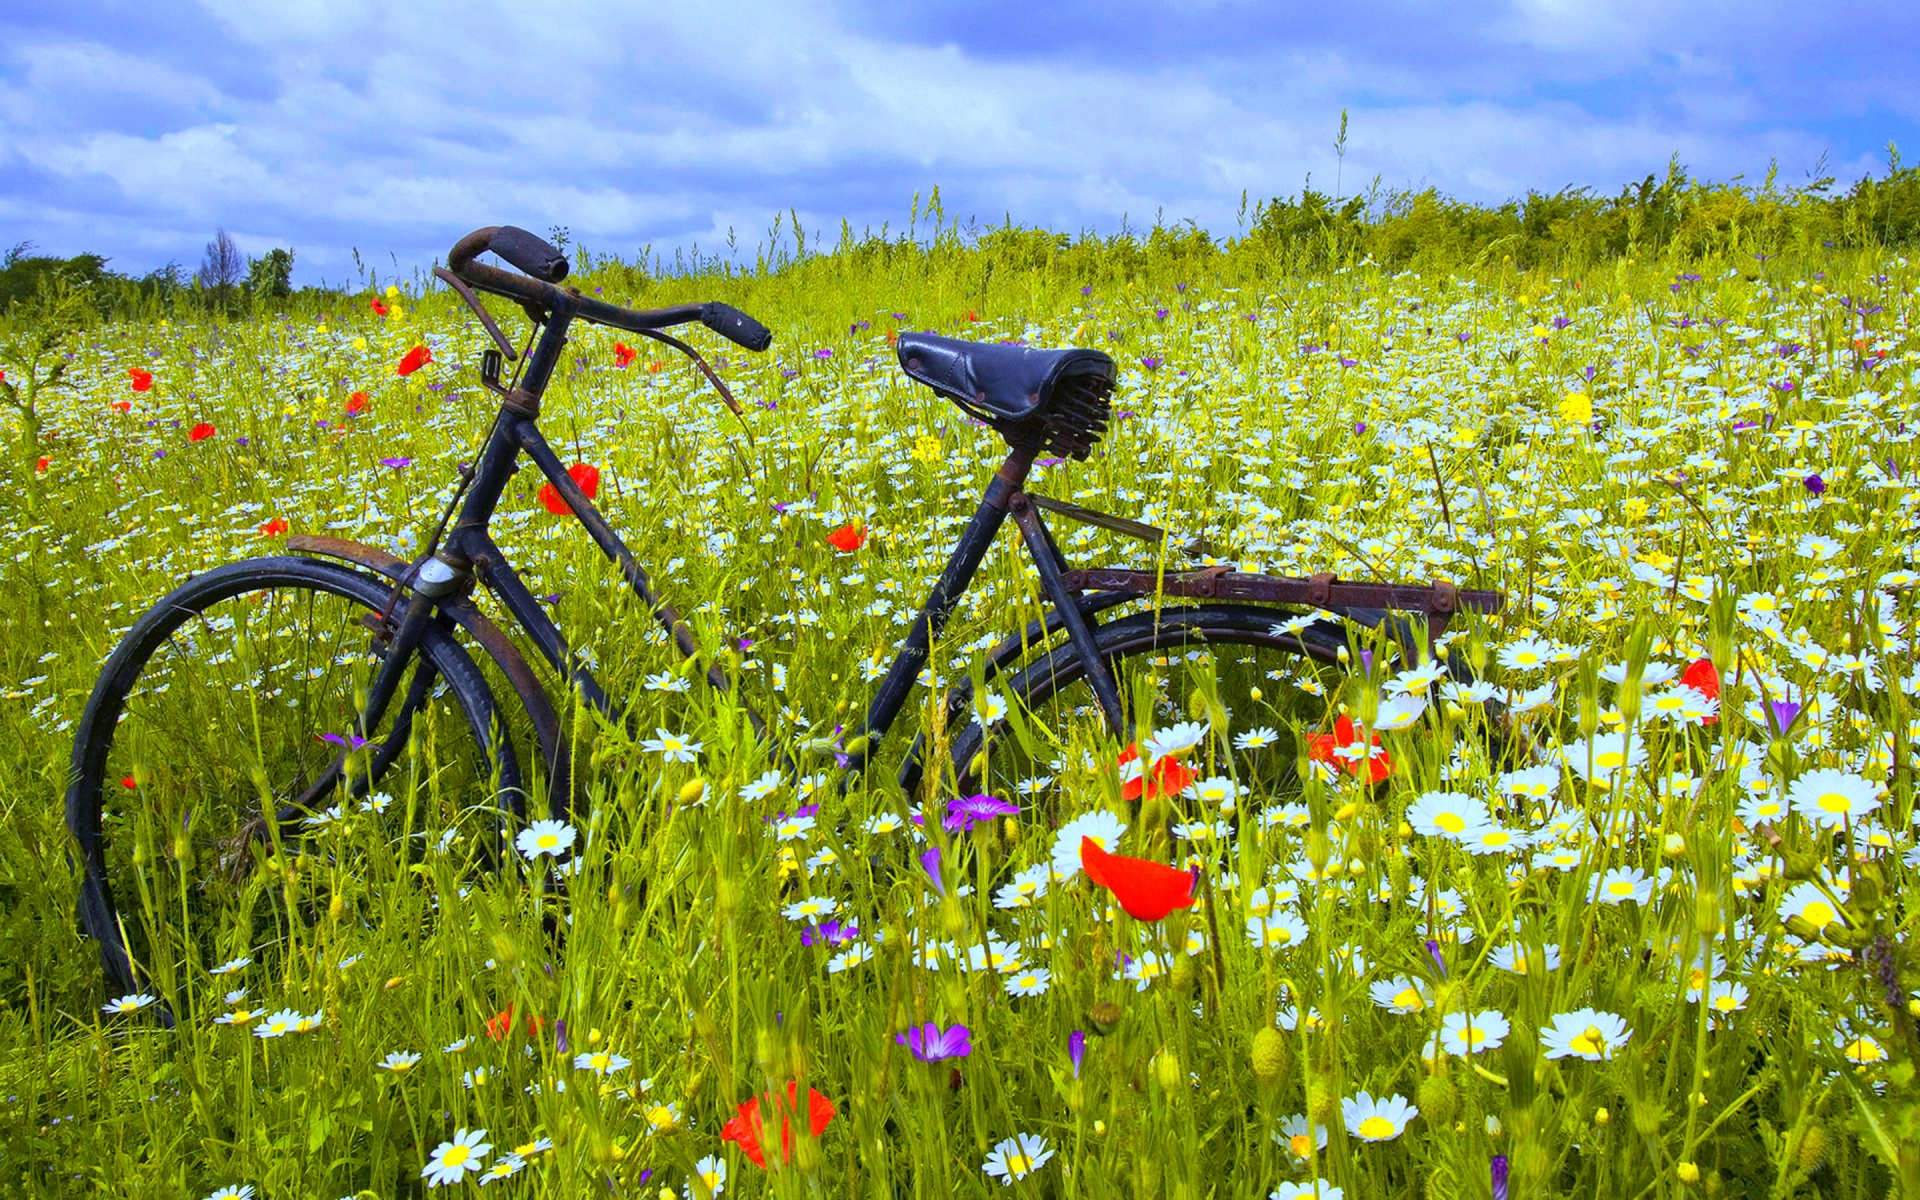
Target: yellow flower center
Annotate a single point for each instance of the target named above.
(547, 841)
(1609, 759)
(1376, 1128)
(1833, 802)
(1472, 1037)
(1819, 913)
(1725, 1003)
(1300, 1145)
(1619, 887)
(455, 1156)
(1408, 998)
(1451, 822)
(1018, 1164)
(1590, 1041)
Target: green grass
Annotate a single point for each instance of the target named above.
(1635, 479)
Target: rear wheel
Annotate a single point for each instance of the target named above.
(1230, 668)
(220, 749)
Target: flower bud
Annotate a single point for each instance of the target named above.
(1180, 975)
(1269, 1055)
(1166, 1070)
(1689, 1173)
(1320, 1103)
(1602, 1117)
(1812, 1149)
(692, 790)
(1104, 1016)
(1439, 1100)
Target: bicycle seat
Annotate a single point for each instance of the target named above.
(1058, 397)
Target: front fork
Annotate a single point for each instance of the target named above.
(433, 579)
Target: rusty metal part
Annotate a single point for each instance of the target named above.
(1320, 591)
(1093, 516)
(499, 647)
(466, 293)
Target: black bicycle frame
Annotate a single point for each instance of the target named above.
(470, 553)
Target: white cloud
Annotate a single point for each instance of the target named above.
(329, 123)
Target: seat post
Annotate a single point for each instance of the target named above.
(967, 555)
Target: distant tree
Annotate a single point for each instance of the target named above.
(221, 270)
(270, 276)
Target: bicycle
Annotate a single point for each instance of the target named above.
(227, 720)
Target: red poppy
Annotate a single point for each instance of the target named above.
(622, 354)
(1168, 777)
(141, 380)
(746, 1128)
(848, 538)
(501, 1026)
(201, 432)
(379, 309)
(1322, 747)
(121, 406)
(893, 337)
(129, 782)
(972, 316)
(655, 367)
(357, 403)
(274, 528)
(1701, 676)
(41, 466)
(586, 475)
(415, 358)
(1147, 890)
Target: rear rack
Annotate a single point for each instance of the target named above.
(1439, 601)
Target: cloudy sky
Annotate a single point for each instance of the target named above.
(134, 127)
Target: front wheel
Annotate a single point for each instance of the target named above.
(223, 737)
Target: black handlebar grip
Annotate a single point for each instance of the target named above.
(530, 252)
(736, 326)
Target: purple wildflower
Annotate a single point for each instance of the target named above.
(1349, 362)
(930, 1043)
(1433, 949)
(964, 814)
(1077, 1049)
(1784, 385)
(1562, 322)
(396, 463)
(823, 352)
(743, 645)
(352, 741)
(1151, 363)
(1815, 484)
(1783, 713)
(1499, 1177)
(1464, 338)
(931, 862)
(1086, 289)
(1359, 427)
(1159, 314)
(899, 316)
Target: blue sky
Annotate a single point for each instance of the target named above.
(394, 126)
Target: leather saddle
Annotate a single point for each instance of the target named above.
(1058, 399)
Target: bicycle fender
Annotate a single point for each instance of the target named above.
(499, 647)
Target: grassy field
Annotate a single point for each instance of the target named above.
(1665, 950)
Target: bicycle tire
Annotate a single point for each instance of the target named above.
(179, 761)
(1127, 642)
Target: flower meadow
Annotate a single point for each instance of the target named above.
(1624, 913)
